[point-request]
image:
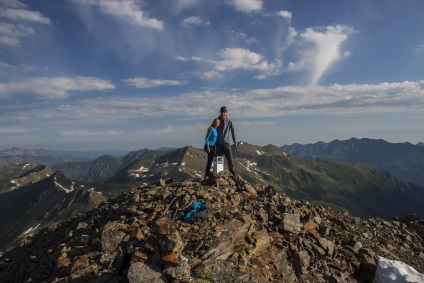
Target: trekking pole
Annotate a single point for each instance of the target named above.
(173, 218)
(166, 210)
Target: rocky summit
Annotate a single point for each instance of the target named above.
(252, 233)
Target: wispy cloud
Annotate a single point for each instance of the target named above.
(128, 10)
(185, 59)
(211, 75)
(420, 47)
(16, 22)
(247, 124)
(195, 21)
(13, 130)
(23, 15)
(249, 40)
(56, 87)
(235, 59)
(247, 6)
(149, 83)
(325, 49)
(286, 15)
(258, 103)
(181, 5)
(244, 59)
(176, 129)
(89, 133)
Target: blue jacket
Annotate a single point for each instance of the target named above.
(211, 137)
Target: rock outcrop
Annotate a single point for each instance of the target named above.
(253, 234)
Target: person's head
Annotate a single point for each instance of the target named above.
(215, 123)
(223, 111)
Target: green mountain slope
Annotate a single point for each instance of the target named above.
(360, 189)
(103, 167)
(29, 208)
(15, 176)
(403, 159)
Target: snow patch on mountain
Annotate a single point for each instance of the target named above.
(31, 229)
(63, 188)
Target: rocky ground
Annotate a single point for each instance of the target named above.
(253, 234)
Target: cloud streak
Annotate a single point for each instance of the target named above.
(286, 15)
(89, 133)
(260, 103)
(23, 15)
(127, 10)
(16, 21)
(150, 83)
(195, 21)
(57, 87)
(323, 50)
(232, 59)
(247, 6)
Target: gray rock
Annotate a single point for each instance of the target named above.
(291, 223)
(142, 273)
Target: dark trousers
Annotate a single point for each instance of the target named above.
(211, 155)
(225, 149)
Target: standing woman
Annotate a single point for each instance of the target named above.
(211, 137)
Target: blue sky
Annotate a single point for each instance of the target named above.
(129, 74)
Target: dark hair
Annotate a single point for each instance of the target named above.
(223, 109)
(213, 124)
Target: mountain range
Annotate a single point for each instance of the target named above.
(39, 156)
(404, 159)
(362, 189)
(36, 197)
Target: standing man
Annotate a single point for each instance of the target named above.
(223, 143)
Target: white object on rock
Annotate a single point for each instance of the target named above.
(394, 271)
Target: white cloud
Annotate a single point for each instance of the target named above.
(247, 6)
(12, 130)
(195, 21)
(8, 66)
(181, 5)
(237, 59)
(23, 15)
(420, 47)
(211, 75)
(176, 129)
(245, 38)
(56, 87)
(247, 124)
(89, 133)
(243, 59)
(13, 4)
(17, 21)
(285, 14)
(185, 59)
(259, 103)
(11, 34)
(291, 37)
(129, 10)
(324, 51)
(149, 83)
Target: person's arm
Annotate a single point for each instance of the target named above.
(233, 134)
(206, 139)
